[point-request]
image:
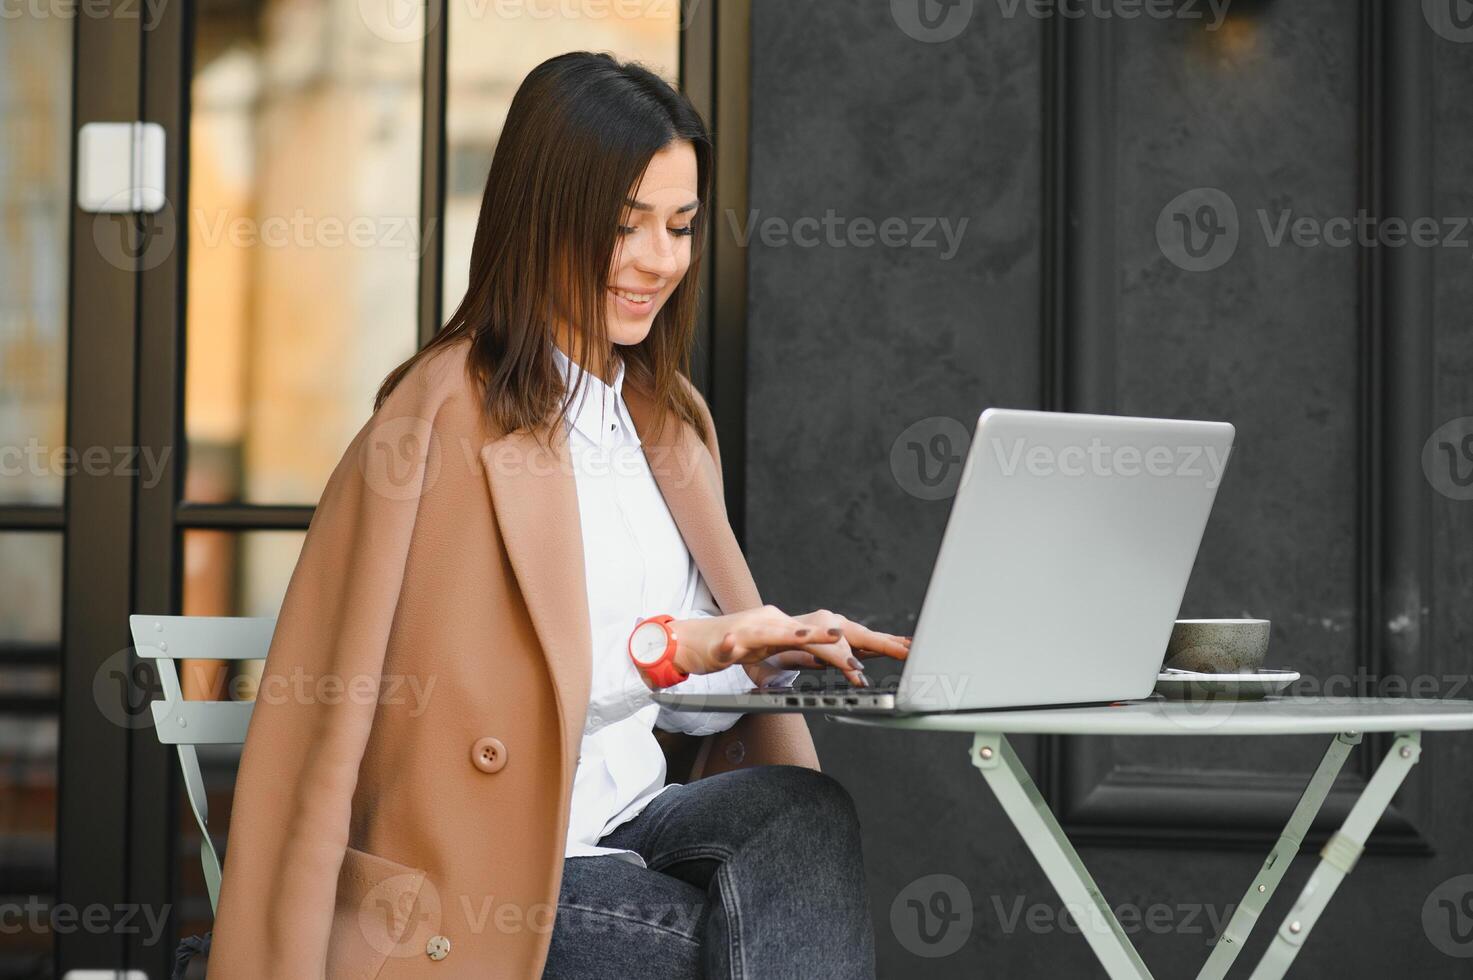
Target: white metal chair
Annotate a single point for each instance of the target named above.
(186, 724)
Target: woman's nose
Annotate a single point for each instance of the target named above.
(659, 257)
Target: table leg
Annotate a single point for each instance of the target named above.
(1339, 855)
(1030, 814)
(1245, 917)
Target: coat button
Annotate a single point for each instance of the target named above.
(488, 754)
(437, 948)
(735, 751)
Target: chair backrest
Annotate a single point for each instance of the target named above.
(185, 724)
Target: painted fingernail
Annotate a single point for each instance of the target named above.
(863, 681)
(855, 664)
(835, 631)
(804, 631)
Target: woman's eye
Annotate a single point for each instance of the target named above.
(685, 231)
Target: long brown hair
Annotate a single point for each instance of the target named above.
(580, 132)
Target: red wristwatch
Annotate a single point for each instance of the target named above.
(652, 648)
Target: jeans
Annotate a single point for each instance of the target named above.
(753, 874)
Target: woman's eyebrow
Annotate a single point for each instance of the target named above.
(641, 206)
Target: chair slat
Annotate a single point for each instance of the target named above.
(202, 637)
(201, 722)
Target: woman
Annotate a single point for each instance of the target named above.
(451, 769)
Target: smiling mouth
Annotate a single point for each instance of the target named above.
(636, 299)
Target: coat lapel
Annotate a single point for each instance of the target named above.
(535, 498)
(536, 504)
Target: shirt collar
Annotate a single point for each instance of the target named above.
(598, 403)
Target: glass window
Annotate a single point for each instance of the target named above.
(35, 214)
(30, 644)
(35, 217)
(492, 47)
(303, 224)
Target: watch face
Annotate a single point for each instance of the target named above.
(648, 642)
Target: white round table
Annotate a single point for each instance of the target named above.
(1158, 716)
(1346, 718)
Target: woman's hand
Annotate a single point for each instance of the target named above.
(852, 640)
(817, 639)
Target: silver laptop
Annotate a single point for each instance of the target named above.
(1060, 575)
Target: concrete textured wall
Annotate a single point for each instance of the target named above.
(1333, 369)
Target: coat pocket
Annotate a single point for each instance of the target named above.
(380, 913)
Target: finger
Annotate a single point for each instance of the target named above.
(825, 624)
(794, 658)
(877, 643)
(839, 655)
(811, 660)
(755, 640)
(725, 652)
(864, 654)
(753, 637)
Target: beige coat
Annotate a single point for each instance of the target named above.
(408, 771)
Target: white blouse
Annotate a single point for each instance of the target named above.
(636, 565)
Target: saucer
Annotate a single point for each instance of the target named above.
(1186, 685)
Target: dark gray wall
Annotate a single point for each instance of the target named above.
(1061, 142)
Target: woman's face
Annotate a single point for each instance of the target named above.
(653, 251)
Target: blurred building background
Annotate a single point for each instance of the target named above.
(35, 207)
